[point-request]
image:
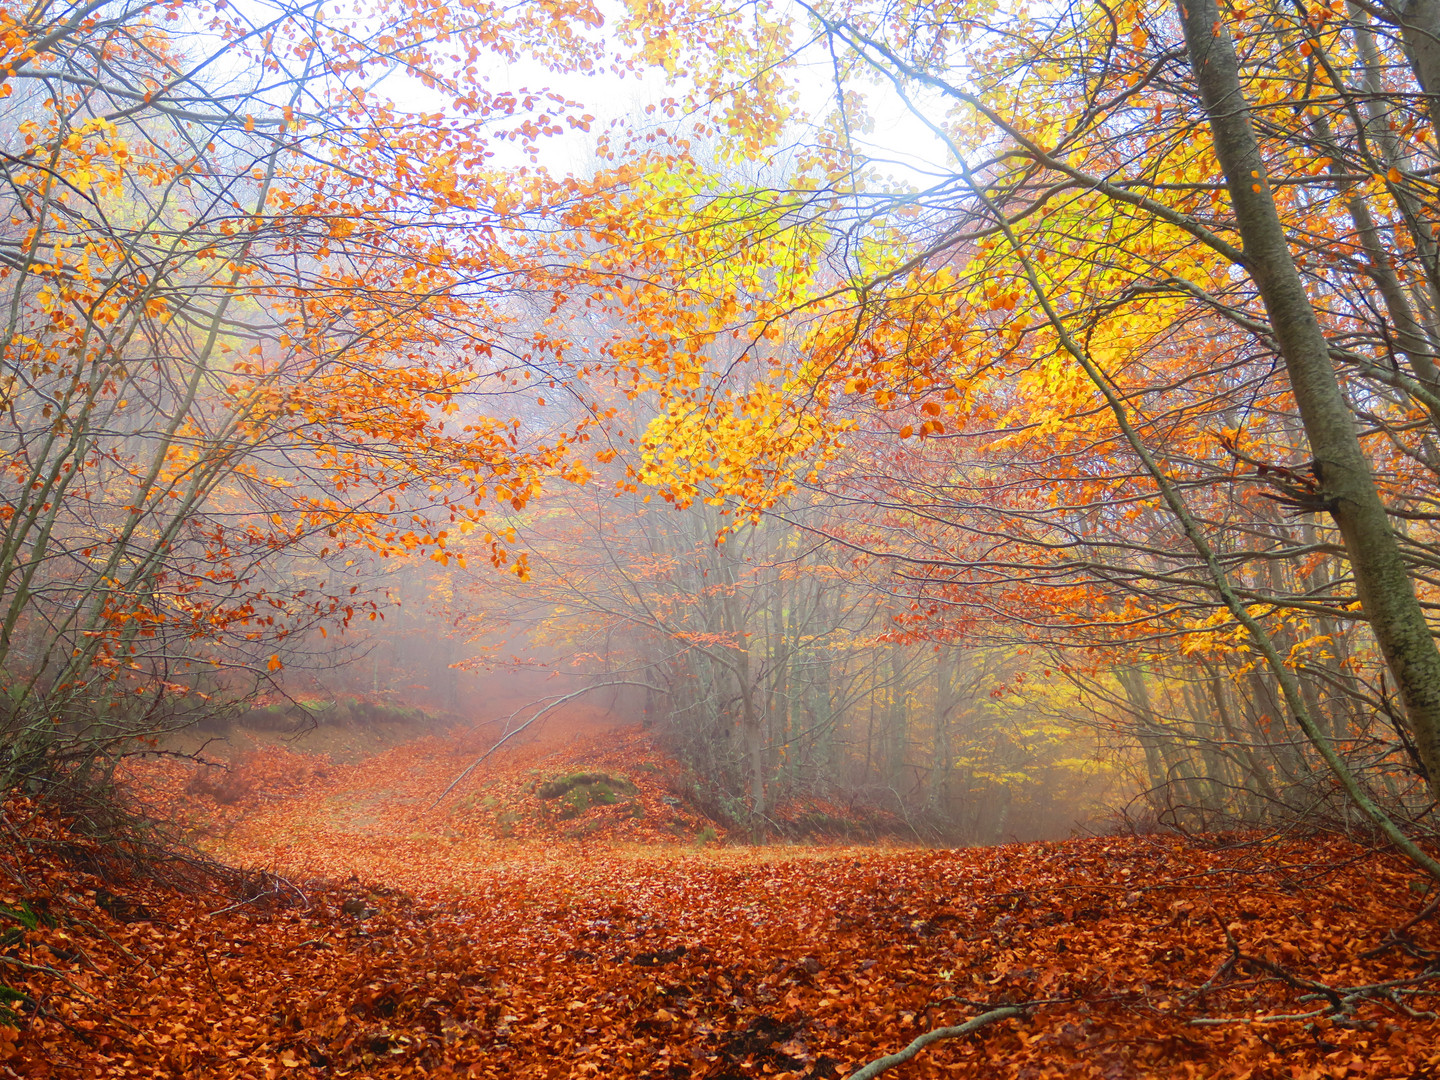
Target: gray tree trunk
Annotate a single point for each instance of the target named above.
(1386, 592)
(1420, 30)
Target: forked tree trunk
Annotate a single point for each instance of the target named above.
(1387, 594)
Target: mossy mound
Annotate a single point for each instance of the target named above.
(580, 791)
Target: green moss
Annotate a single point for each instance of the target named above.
(578, 792)
(610, 786)
(24, 914)
(10, 996)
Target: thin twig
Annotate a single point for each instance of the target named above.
(511, 734)
(137, 961)
(44, 969)
(211, 973)
(1215, 1021)
(1392, 938)
(1341, 1000)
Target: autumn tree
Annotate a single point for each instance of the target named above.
(251, 325)
(1162, 299)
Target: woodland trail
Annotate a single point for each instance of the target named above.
(377, 819)
(492, 938)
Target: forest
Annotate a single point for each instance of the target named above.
(655, 538)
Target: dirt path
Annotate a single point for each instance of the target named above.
(376, 817)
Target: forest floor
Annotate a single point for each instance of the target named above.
(607, 931)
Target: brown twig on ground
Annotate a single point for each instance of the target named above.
(137, 961)
(262, 885)
(210, 972)
(51, 972)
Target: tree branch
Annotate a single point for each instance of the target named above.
(880, 1065)
(554, 704)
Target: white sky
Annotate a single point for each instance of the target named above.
(897, 137)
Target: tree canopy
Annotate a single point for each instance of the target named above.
(1127, 370)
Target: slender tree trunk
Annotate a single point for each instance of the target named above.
(1264, 801)
(753, 721)
(897, 734)
(943, 758)
(1420, 31)
(1132, 681)
(1387, 594)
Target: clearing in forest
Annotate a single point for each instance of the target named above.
(565, 912)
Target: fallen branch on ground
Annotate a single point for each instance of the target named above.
(1394, 939)
(880, 1065)
(1340, 1000)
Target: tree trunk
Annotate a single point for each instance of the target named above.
(1387, 595)
(1420, 31)
(1132, 681)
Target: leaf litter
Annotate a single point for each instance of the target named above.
(489, 937)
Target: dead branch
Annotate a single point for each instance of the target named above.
(1394, 938)
(1340, 1001)
(265, 884)
(556, 703)
(880, 1065)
